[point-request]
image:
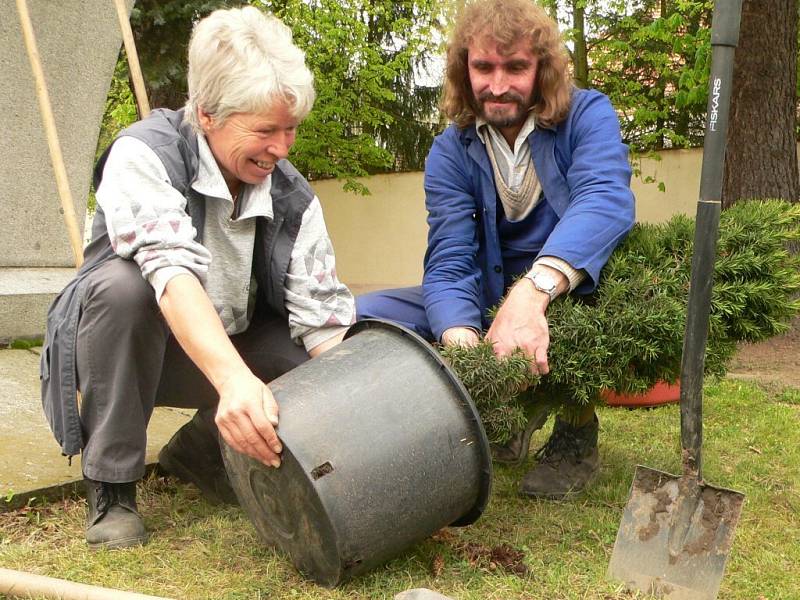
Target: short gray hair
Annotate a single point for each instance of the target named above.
(243, 60)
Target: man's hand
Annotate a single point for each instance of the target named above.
(521, 322)
(460, 336)
(247, 416)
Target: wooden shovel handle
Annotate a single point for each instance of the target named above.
(62, 183)
(133, 59)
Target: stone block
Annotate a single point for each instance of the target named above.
(25, 295)
(78, 42)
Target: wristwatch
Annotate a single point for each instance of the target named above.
(544, 282)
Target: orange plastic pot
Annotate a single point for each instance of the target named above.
(661, 393)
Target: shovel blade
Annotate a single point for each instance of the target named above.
(675, 536)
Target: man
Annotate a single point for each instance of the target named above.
(527, 194)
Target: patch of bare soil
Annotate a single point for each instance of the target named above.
(774, 362)
(502, 556)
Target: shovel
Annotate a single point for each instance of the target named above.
(676, 532)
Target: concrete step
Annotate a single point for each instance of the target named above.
(31, 464)
(25, 295)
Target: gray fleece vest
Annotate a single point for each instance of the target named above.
(175, 144)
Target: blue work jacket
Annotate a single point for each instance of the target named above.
(583, 168)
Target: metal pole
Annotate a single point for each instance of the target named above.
(724, 38)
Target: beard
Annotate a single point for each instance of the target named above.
(514, 113)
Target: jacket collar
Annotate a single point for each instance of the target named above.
(469, 133)
(476, 151)
(254, 200)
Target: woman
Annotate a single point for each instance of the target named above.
(210, 272)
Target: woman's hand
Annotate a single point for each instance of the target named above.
(247, 416)
(328, 344)
(247, 413)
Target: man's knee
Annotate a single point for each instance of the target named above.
(368, 305)
(403, 306)
(390, 304)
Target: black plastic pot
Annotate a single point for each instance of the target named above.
(382, 447)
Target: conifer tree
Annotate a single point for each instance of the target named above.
(628, 334)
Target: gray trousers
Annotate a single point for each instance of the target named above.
(128, 363)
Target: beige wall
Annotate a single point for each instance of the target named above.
(679, 171)
(380, 239)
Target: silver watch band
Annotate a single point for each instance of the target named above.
(544, 282)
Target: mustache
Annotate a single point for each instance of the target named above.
(507, 97)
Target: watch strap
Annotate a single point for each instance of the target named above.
(535, 278)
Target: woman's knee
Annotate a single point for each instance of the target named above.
(267, 347)
(117, 290)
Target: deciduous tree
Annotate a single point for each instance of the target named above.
(370, 115)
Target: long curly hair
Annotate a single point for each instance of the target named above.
(507, 22)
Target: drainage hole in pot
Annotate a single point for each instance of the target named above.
(321, 470)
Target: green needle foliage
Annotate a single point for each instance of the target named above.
(628, 334)
(497, 386)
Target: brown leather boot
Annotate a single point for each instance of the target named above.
(113, 521)
(193, 455)
(568, 462)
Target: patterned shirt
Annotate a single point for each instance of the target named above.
(147, 221)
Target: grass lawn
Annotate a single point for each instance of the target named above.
(752, 444)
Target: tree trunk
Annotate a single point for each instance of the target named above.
(580, 59)
(761, 156)
(661, 84)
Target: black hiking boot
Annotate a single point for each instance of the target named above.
(113, 521)
(512, 452)
(568, 462)
(193, 455)
(515, 450)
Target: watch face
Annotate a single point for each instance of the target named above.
(544, 282)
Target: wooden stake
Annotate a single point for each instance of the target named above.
(133, 59)
(46, 110)
(20, 584)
